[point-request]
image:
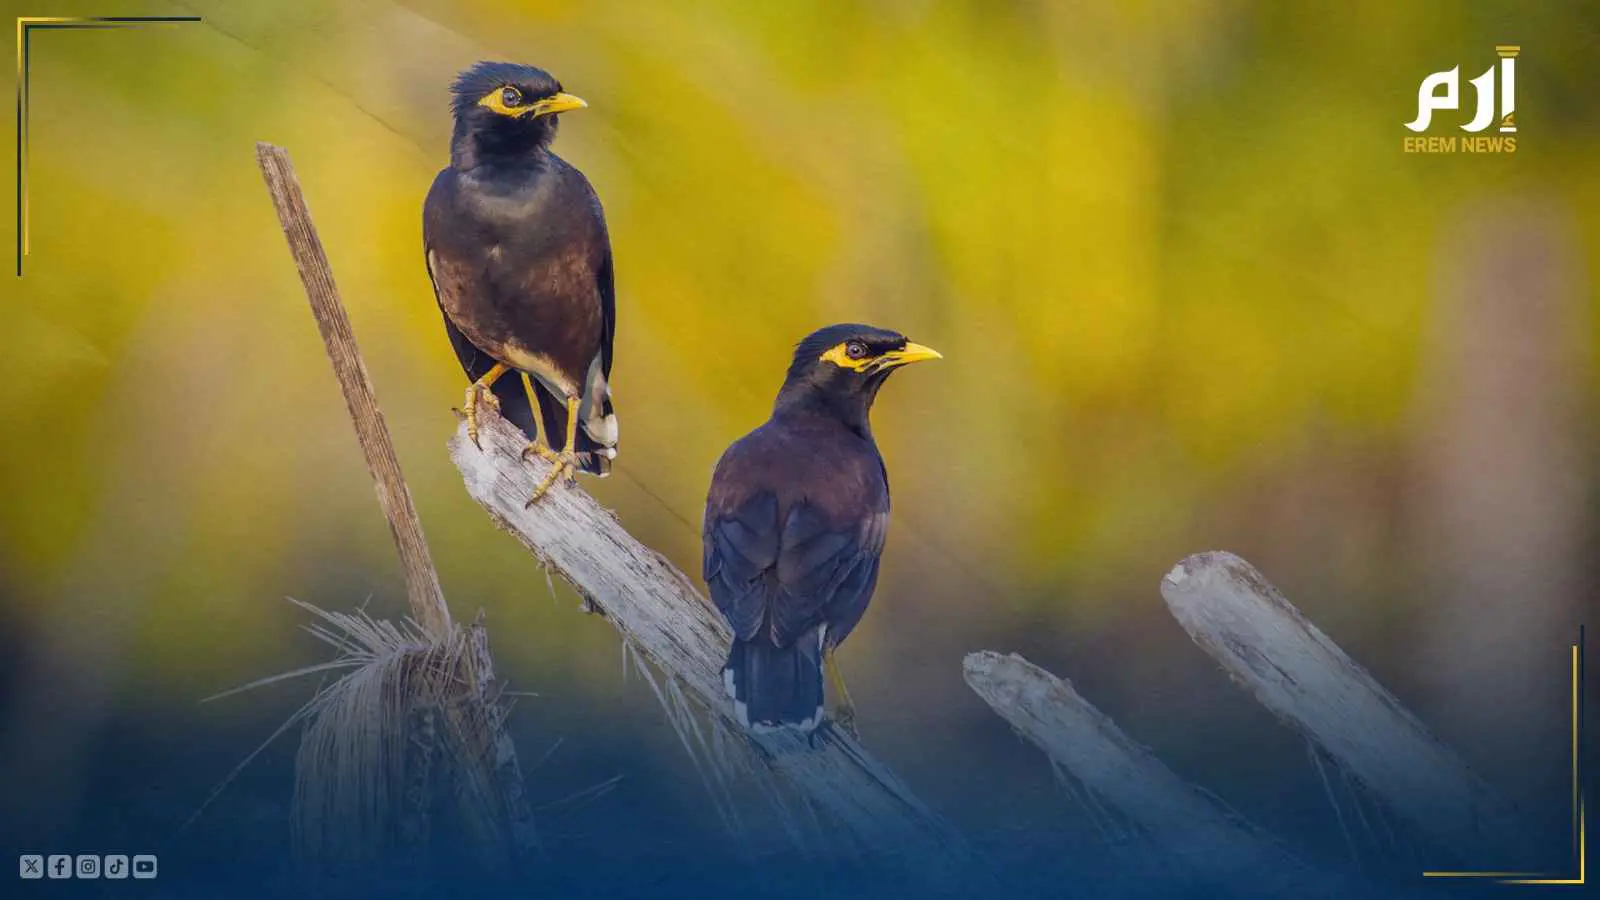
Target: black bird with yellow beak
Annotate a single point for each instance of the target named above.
(520, 260)
(795, 523)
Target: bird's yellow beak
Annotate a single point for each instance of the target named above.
(910, 353)
(556, 103)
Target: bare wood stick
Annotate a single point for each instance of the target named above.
(1295, 671)
(486, 766)
(422, 581)
(1211, 842)
(661, 613)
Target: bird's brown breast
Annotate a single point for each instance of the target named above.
(523, 288)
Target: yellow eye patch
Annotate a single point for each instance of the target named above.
(520, 106)
(839, 355)
(496, 99)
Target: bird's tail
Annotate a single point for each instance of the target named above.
(776, 687)
(597, 439)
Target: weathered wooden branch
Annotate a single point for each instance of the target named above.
(422, 580)
(1211, 843)
(1294, 670)
(455, 670)
(661, 613)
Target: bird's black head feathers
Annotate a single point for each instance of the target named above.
(838, 370)
(505, 113)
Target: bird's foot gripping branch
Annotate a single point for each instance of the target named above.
(562, 462)
(480, 393)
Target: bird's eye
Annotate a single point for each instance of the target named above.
(511, 97)
(855, 350)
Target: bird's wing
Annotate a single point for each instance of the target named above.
(788, 566)
(598, 437)
(825, 572)
(741, 550)
(447, 281)
(605, 281)
(583, 200)
(608, 307)
(794, 577)
(790, 577)
(474, 361)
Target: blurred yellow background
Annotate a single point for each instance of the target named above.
(1190, 291)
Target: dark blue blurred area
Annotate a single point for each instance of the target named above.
(655, 835)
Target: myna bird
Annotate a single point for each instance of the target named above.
(517, 249)
(795, 523)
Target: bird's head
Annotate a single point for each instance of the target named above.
(840, 369)
(506, 110)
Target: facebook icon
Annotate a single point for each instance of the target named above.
(60, 867)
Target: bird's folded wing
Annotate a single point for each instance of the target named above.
(741, 547)
(791, 576)
(451, 286)
(605, 276)
(826, 573)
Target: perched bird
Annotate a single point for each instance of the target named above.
(517, 249)
(794, 525)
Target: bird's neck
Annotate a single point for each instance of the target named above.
(502, 155)
(806, 405)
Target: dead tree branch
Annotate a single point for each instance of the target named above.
(422, 580)
(1295, 671)
(1210, 842)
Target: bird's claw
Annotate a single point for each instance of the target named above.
(477, 393)
(563, 462)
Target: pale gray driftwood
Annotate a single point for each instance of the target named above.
(662, 614)
(1210, 842)
(1294, 670)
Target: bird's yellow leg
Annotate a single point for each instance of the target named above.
(481, 391)
(565, 462)
(540, 446)
(540, 443)
(844, 713)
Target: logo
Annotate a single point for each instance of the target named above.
(33, 866)
(1441, 92)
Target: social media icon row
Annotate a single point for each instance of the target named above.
(112, 865)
